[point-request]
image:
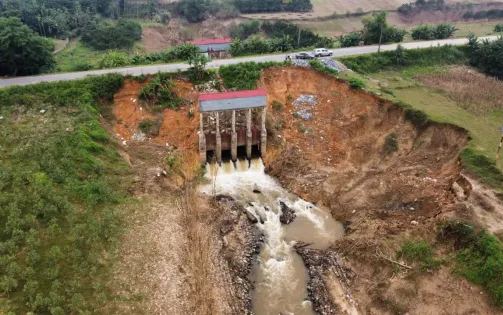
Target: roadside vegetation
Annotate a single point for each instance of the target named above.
(282, 37)
(422, 5)
(22, 51)
(429, 32)
(244, 76)
(61, 178)
(122, 34)
(376, 30)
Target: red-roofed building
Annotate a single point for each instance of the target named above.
(232, 100)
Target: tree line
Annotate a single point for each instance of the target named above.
(376, 30)
(263, 6)
(422, 5)
(283, 36)
(486, 55)
(56, 18)
(487, 14)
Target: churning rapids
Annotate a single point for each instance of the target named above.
(279, 275)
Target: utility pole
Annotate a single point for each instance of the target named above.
(380, 39)
(298, 39)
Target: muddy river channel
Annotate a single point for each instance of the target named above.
(279, 276)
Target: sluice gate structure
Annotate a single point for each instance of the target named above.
(230, 120)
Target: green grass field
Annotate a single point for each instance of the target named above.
(82, 54)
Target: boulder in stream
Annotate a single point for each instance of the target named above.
(250, 216)
(287, 214)
(256, 190)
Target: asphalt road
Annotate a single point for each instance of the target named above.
(215, 64)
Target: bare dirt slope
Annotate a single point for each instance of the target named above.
(163, 37)
(384, 191)
(177, 32)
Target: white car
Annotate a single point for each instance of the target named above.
(322, 52)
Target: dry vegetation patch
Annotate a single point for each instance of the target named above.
(470, 89)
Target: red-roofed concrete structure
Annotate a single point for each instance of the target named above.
(230, 120)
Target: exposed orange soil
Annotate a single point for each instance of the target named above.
(178, 131)
(128, 110)
(338, 160)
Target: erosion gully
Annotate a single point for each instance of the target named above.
(279, 276)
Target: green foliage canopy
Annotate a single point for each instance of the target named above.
(487, 56)
(111, 36)
(244, 30)
(261, 6)
(282, 29)
(428, 32)
(55, 18)
(22, 51)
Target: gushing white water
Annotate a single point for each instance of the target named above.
(279, 275)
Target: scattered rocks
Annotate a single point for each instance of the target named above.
(414, 222)
(304, 105)
(332, 64)
(405, 206)
(240, 245)
(287, 214)
(42, 111)
(301, 63)
(317, 263)
(139, 136)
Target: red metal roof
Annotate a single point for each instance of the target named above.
(211, 41)
(230, 95)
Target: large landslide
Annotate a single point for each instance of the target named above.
(386, 178)
(358, 154)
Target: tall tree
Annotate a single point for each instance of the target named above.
(22, 51)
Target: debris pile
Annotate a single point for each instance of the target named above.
(332, 64)
(304, 104)
(301, 63)
(287, 214)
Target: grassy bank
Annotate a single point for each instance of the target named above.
(84, 58)
(479, 256)
(403, 84)
(60, 180)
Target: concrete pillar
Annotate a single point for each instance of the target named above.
(234, 138)
(202, 141)
(249, 136)
(219, 141)
(263, 134)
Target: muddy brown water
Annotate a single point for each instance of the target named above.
(279, 276)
